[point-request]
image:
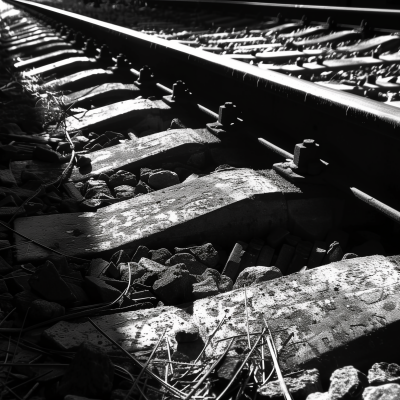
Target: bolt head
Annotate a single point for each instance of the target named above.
(309, 142)
(229, 104)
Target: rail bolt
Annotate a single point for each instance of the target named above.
(306, 153)
(70, 36)
(299, 62)
(121, 62)
(63, 30)
(227, 114)
(145, 74)
(180, 91)
(105, 55)
(79, 40)
(90, 48)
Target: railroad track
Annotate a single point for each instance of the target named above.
(175, 136)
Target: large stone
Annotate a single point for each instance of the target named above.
(194, 267)
(225, 284)
(163, 179)
(124, 192)
(390, 391)
(207, 287)
(47, 282)
(175, 285)
(152, 266)
(160, 255)
(347, 383)
(96, 187)
(122, 178)
(253, 275)
(382, 373)
(42, 310)
(299, 386)
(136, 271)
(142, 188)
(90, 374)
(206, 254)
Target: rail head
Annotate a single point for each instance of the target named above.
(280, 6)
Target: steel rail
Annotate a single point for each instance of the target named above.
(357, 10)
(384, 119)
(348, 15)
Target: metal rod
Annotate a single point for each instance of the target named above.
(275, 149)
(376, 204)
(205, 110)
(164, 88)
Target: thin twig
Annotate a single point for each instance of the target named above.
(144, 389)
(8, 350)
(169, 355)
(279, 352)
(198, 384)
(247, 317)
(145, 365)
(281, 380)
(271, 336)
(35, 378)
(209, 339)
(16, 347)
(221, 395)
(142, 393)
(205, 346)
(7, 316)
(12, 392)
(243, 387)
(262, 359)
(31, 391)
